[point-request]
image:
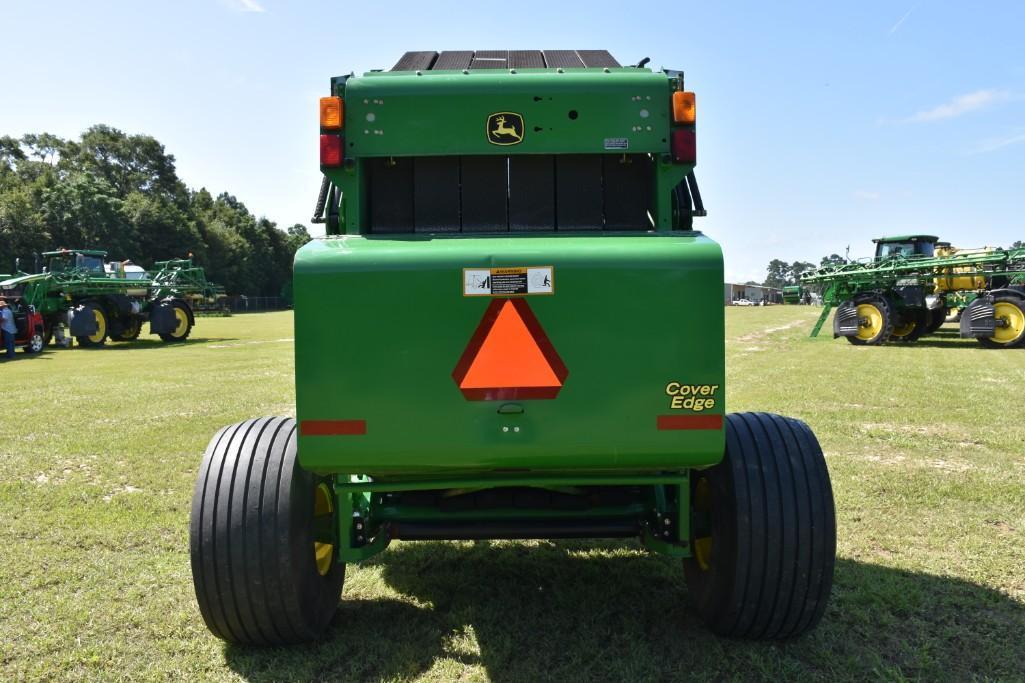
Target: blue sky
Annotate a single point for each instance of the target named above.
(821, 125)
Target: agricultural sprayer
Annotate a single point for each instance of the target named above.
(94, 300)
(911, 285)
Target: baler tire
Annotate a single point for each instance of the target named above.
(184, 315)
(772, 530)
(886, 326)
(251, 539)
(1013, 309)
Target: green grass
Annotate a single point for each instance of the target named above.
(925, 445)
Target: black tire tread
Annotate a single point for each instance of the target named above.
(132, 335)
(776, 579)
(243, 536)
(884, 307)
(85, 342)
(170, 338)
(989, 343)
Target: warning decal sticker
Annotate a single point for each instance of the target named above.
(509, 357)
(508, 281)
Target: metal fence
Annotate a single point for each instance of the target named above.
(256, 304)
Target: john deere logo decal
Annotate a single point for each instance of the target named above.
(505, 128)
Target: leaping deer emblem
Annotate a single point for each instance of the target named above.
(501, 129)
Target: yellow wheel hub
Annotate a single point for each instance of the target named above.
(182, 319)
(323, 506)
(870, 321)
(101, 327)
(703, 544)
(904, 330)
(1014, 322)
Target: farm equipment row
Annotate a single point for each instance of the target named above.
(915, 283)
(80, 294)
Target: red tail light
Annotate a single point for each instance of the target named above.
(685, 146)
(331, 150)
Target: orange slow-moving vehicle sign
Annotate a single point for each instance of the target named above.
(509, 357)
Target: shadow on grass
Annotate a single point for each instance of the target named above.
(141, 344)
(585, 611)
(950, 338)
(22, 355)
(943, 343)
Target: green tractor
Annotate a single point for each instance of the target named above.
(526, 341)
(96, 300)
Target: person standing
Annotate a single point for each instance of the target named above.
(7, 328)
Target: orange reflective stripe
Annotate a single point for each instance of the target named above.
(668, 422)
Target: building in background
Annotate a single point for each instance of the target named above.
(755, 293)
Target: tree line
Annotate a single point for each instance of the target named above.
(780, 273)
(119, 192)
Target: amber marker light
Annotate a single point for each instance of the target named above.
(331, 113)
(684, 107)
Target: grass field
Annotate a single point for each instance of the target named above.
(926, 447)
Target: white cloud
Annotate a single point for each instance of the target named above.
(994, 144)
(246, 5)
(893, 29)
(866, 194)
(962, 104)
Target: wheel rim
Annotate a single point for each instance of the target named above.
(35, 345)
(101, 327)
(182, 319)
(323, 508)
(904, 330)
(1014, 322)
(870, 321)
(703, 544)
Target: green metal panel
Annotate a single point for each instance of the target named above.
(382, 322)
(570, 112)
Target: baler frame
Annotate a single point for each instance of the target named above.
(471, 394)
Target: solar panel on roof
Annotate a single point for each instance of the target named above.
(415, 61)
(526, 59)
(563, 59)
(597, 59)
(457, 60)
(453, 60)
(490, 59)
